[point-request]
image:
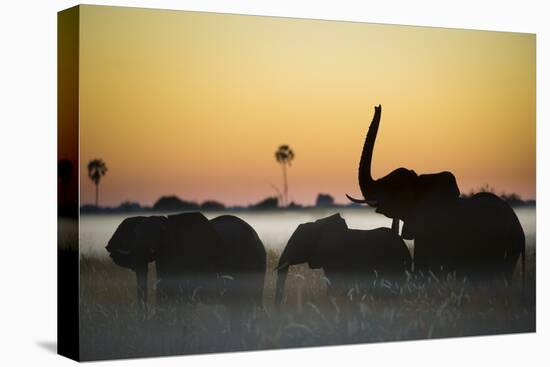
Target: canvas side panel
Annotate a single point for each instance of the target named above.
(67, 202)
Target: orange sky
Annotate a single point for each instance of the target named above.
(195, 104)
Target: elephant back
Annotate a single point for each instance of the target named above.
(243, 258)
(480, 235)
(190, 245)
(243, 251)
(381, 250)
(495, 237)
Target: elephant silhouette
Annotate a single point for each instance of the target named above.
(197, 260)
(346, 255)
(474, 236)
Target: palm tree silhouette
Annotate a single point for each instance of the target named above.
(284, 155)
(64, 172)
(96, 170)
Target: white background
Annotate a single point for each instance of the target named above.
(28, 182)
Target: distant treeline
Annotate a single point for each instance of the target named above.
(174, 203)
(511, 198)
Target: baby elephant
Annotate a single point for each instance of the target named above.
(344, 254)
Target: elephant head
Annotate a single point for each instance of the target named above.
(402, 194)
(134, 245)
(307, 244)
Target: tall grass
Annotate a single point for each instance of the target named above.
(423, 306)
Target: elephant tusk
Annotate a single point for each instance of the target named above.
(395, 226)
(358, 201)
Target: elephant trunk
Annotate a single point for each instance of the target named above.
(365, 172)
(282, 272)
(281, 280)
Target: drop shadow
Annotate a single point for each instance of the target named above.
(50, 346)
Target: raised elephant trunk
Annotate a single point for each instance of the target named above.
(365, 172)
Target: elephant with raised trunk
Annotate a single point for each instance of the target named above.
(476, 236)
(346, 255)
(213, 261)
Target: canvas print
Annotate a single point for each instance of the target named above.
(234, 183)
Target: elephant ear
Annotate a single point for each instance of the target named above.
(435, 194)
(395, 192)
(123, 244)
(298, 248)
(190, 244)
(328, 235)
(438, 188)
(150, 236)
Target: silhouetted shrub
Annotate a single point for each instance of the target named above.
(513, 199)
(324, 200)
(171, 203)
(268, 203)
(212, 205)
(129, 206)
(294, 205)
